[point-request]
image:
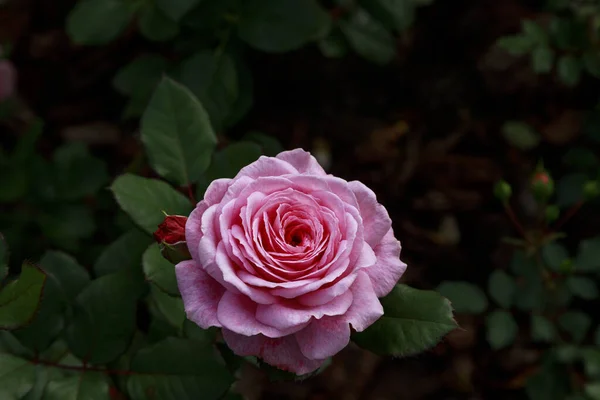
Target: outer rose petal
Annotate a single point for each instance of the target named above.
(200, 293)
(324, 337)
(282, 353)
(237, 312)
(376, 219)
(365, 308)
(388, 268)
(266, 166)
(282, 316)
(303, 161)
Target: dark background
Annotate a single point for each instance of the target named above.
(422, 132)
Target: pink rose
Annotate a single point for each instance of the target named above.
(8, 78)
(285, 258)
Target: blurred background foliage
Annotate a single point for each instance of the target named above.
(429, 103)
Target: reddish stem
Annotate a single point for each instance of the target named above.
(515, 221)
(191, 195)
(568, 215)
(83, 368)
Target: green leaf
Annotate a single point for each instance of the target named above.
(534, 31)
(171, 308)
(160, 271)
(465, 297)
(549, 383)
(166, 371)
(67, 224)
(591, 362)
(414, 321)
(144, 200)
(229, 161)
(333, 46)
(576, 324)
(395, 14)
(215, 82)
(501, 329)
(104, 317)
(569, 70)
(3, 258)
(582, 287)
(592, 390)
(65, 273)
(138, 80)
(277, 26)
(270, 146)
(520, 135)
(542, 59)
(588, 255)
(553, 254)
(569, 189)
(16, 377)
(19, 300)
(591, 61)
(96, 22)
(516, 45)
(77, 173)
(85, 386)
(502, 288)
(523, 265)
(156, 26)
(65, 280)
(176, 9)
(125, 253)
(542, 330)
(177, 134)
(368, 37)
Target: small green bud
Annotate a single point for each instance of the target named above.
(552, 213)
(542, 185)
(502, 191)
(591, 189)
(566, 266)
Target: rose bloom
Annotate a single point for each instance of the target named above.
(286, 258)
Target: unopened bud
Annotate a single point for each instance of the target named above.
(542, 185)
(591, 189)
(552, 213)
(502, 191)
(171, 237)
(171, 230)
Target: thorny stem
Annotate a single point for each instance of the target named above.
(191, 195)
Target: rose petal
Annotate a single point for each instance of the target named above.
(375, 217)
(303, 161)
(193, 229)
(285, 316)
(389, 268)
(200, 293)
(237, 313)
(323, 338)
(282, 353)
(365, 308)
(225, 272)
(216, 190)
(266, 166)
